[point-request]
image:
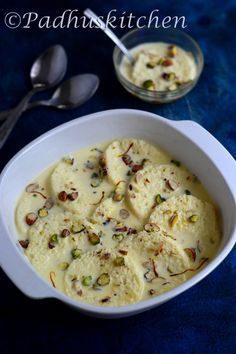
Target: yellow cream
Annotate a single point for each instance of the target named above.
(117, 223)
(159, 66)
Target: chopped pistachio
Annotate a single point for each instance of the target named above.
(149, 276)
(159, 199)
(152, 291)
(54, 238)
(63, 265)
(51, 245)
(169, 76)
(150, 227)
(149, 85)
(30, 218)
(77, 228)
(42, 212)
(87, 280)
(68, 160)
(173, 87)
(172, 51)
(95, 183)
(65, 233)
(103, 279)
(62, 196)
(187, 192)
(76, 253)
(117, 197)
(94, 239)
(173, 220)
(72, 196)
(150, 65)
(95, 175)
(119, 261)
(176, 162)
(118, 237)
(179, 82)
(160, 61)
(24, 243)
(193, 218)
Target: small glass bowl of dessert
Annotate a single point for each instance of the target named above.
(168, 64)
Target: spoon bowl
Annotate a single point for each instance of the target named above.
(46, 72)
(49, 68)
(71, 93)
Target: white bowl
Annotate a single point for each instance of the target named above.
(185, 140)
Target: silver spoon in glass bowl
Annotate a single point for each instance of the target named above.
(95, 19)
(70, 94)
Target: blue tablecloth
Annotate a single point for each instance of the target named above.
(203, 319)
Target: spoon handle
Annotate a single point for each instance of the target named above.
(5, 114)
(94, 18)
(13, 117)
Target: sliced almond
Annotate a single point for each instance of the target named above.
(172, 184)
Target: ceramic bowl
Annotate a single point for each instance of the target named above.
(185, 140)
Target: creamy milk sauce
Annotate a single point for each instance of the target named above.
(159, 66)
(117, 223)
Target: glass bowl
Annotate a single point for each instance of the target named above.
(169, 35)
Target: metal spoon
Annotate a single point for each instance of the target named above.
(94, 18)
(47, 71)
(70, 94)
